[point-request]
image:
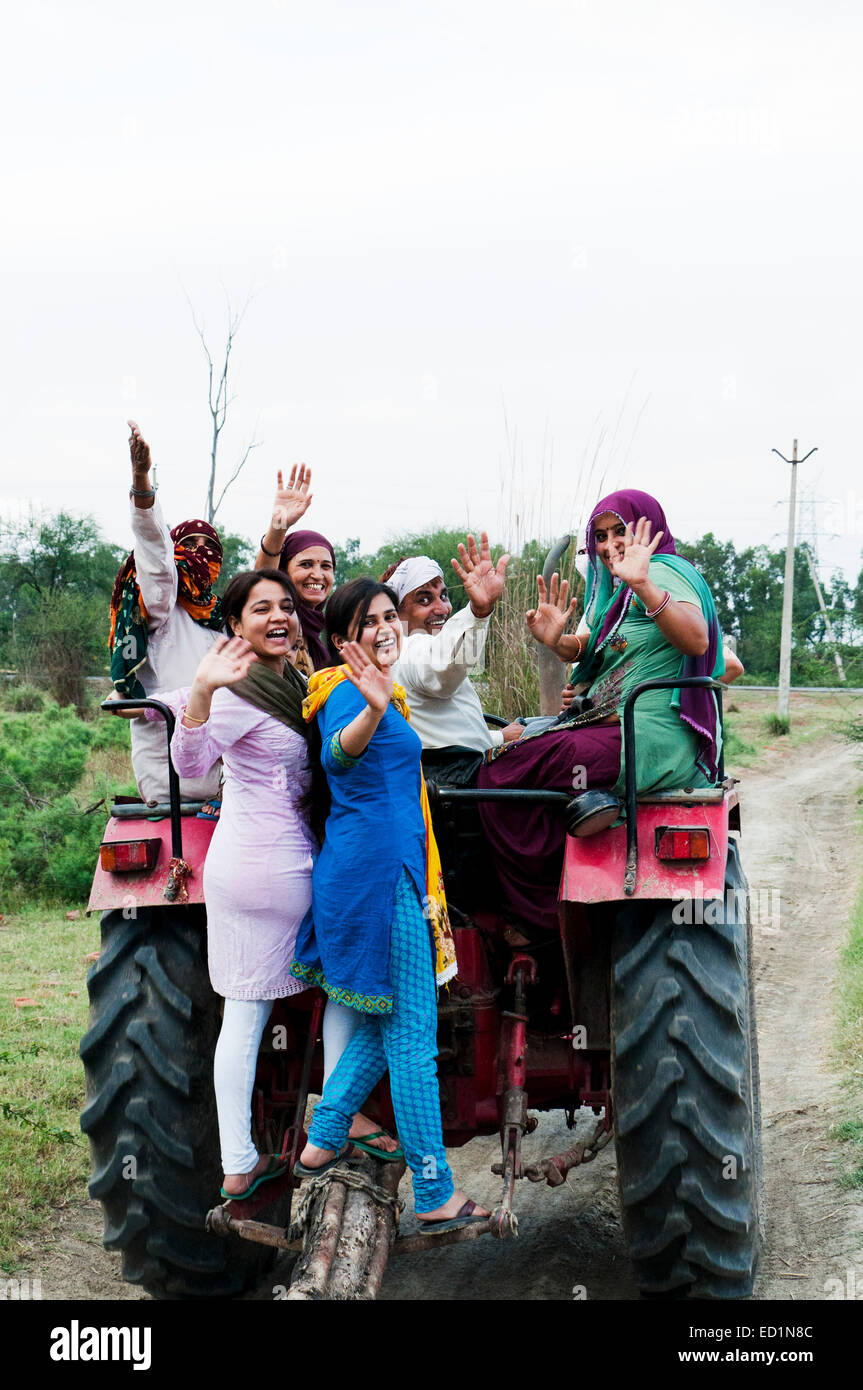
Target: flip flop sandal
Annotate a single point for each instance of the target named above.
(386, 1155)
(211, 810)
(274, 1169)
(463, 1217)
(301, 1171)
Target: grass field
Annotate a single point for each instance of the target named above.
(849, 1045)
(748, 712)
(43, 1014)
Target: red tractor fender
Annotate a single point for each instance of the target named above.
(147, 887)
(594, 867)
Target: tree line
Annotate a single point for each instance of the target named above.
(57, 571)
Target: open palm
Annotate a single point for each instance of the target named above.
(484, 581)
(554, 609)
(375, 685)
(633, 565)
(227, 662)
(293, 501)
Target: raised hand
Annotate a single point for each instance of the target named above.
(554, 609)
(293, 501)
(632, 566)
(227, 662)
(139, 449)
(375, 685)
(483, 581)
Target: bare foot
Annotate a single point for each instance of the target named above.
(238, 1183)
(451, 1209)
(363, 1126)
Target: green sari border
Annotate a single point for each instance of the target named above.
(364, 1003)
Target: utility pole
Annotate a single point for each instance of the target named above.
(788, 592)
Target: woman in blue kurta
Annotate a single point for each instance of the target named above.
(377, 938)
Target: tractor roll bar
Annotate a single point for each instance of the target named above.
(630, 780)
(113, 707)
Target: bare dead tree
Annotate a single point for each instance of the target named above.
(219, 400)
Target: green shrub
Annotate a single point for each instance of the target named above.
(48, 841)
(776, 726)
(110, 731)
(57, 641)
(23, 699)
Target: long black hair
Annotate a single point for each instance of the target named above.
(348, 607)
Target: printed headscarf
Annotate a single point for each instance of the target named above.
(607, 606)
(197, 572)
(311, 615)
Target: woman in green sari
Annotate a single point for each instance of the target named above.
(649, 614)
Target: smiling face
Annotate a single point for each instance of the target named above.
(269, 624)
(427, 608)
(311, 572)
(381, 633)
(609, 531)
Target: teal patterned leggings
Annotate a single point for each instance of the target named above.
(405, 1042)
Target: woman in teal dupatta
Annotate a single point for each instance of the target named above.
(649, 614)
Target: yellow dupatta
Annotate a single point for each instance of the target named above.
(321, 686)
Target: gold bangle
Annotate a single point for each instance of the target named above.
(191, 717)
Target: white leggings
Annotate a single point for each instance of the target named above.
(235, 1063)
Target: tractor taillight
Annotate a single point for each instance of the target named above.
(682, 843)
(129, 856)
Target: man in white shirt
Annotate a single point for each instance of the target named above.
(440, 650)
(175, 640)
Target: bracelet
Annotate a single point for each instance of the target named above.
(192, 718)
(273, 554)
(138, 492)
(656, 612)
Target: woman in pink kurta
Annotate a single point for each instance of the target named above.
(257, 875)
(245, 706)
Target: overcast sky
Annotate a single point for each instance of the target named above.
(503, 256)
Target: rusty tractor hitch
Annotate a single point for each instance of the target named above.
(554, 1170)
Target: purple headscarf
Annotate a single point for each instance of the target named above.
(311, 615)
(629, 505)
(697, 706)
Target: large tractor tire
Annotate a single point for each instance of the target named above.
(150, 1111)
(686, 1100)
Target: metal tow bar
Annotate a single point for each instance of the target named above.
(521, 973)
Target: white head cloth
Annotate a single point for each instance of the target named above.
(411, 573)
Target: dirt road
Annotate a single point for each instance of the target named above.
(802, 857)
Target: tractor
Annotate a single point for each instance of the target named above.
(640, 1007)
